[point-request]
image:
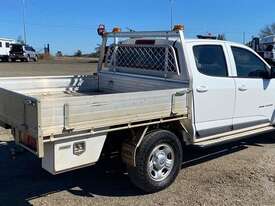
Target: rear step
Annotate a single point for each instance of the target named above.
(235, 137)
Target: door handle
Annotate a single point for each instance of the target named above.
(242, 88)
(202, 89)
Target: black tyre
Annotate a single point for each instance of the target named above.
(158, 161)
(28, 59)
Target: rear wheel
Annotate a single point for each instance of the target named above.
(158, 161)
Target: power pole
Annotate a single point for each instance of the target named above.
(171, 13)
(24, 22)
(244, 37)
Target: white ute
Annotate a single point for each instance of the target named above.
(153, 94)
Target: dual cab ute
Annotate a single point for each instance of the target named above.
(153, 94)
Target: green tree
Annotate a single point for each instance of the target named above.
(268, 30)
(221, 37)
(78, 53)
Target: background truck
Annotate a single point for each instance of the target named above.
(5, 45)
(265, 47)
(154, 94)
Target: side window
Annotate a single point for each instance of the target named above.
(7, 44)
(248, 65)
(210, 60)
(0, 44)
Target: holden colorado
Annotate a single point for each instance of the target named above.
(154, 93)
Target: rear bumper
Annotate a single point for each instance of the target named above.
(17, 56)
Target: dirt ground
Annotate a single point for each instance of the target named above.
(50, 68)
(239, 173)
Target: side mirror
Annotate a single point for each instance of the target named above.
(266, 74)
(269, 73)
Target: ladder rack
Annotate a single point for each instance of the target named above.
(141, 34)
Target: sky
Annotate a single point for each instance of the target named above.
(69, 25)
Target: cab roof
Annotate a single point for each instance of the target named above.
(171, 41)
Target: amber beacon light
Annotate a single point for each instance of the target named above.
(178, 27)
(116, 30)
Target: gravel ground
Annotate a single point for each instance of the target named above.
(240, 173)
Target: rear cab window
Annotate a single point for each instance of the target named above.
(210, 60)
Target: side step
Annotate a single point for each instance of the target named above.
(234, 137)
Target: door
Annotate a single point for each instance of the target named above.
(214, 90)
(30, 52)
(2, 51)
(255, 93)
(6, 47)
(33, 54)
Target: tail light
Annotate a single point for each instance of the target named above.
(28, 141)
(116, 30)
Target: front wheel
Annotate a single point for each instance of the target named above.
(158, 161)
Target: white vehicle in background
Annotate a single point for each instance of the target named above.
(267, 45)
(154, 93)
(5, 45)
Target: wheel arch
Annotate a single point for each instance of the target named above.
(130, 146)
(148, 177)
